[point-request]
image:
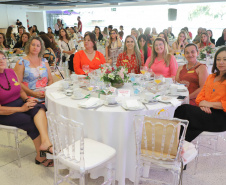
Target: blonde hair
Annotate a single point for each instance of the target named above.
(136, 50)
(27, 46)
(208, 39)
(186, 36)
(154, 54)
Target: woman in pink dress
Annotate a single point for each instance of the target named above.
(161, 62)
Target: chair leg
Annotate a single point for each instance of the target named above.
(137, 175)
(109, 178)
(82, 179)
(17, 146)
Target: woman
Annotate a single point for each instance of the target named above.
(105, 32)
(10, 39)
(2, 41)
(50, 30)
(67, 48)
(131, 58)
(180, 43)
(161, 62)
(205, 41)
(193, 74)
(163, 35)
(19, 46)
(90, 56)
(147, 33)
(210, 33)
(32, 33)
(35, 29)
(20, 32)
(222, 40)
(170, 34)
(121, 33)
(135, 33)
(144, 49)
(17, 110)
(49, 54)
(211, 114)
(154, 32)
(98, 34)
(113, 47)
(140, 31)
(55, 48)
(198, 36)
(33, 71)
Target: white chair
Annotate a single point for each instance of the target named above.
(80, 155)
(15, 131)
(208, 142)
(158, 146)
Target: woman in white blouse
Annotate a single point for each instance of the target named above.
(67, 48)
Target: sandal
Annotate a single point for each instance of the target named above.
(48, 165)
(43, 152)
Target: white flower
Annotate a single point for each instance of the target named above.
(111, 76)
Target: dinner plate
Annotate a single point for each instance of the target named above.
(165, 99)
(99, 103)
(81, 96)
(141, 106)
(110, 105)
(148, 102)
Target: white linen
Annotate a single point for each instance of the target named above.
(90, 102)
(132, 103)
(58, 95)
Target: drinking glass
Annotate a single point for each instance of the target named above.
(107, 86)
(143, 69)
(91, 85)
(85, 68)
(158, 80)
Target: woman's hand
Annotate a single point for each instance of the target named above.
(39, 94)
(204, 103)
(32, 100)
(206, 110)
(27, 106)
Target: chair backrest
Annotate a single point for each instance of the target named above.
(66, 135)
(159, 138)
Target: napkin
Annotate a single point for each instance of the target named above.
(181, 88)
(90, 102)
(56, 84)
(132, 103)
(175, 102)
(189, 152)
(57, 95)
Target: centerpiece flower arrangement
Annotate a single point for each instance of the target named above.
(116, 76)
(205, 51)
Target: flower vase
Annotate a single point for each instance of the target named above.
(117, 85)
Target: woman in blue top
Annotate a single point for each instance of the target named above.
(33, 71)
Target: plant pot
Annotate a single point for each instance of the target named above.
(117, 85)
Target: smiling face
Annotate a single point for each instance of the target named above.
(2, 62)
(130, 43)
(35, 47)
(221, 61)
(113, 34)
(190, 53)
(142, 42)
(204, 38)
(88, 42)
(24, 38)
(181, 37)
(159, 47)
(97, 31)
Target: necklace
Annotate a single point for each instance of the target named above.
(38, 70)
(191, 66)
(8, 83)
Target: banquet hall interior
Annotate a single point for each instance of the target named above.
(159, 14)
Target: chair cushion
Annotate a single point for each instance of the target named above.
(95, 154)
(8, 127)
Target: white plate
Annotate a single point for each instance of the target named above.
(110, 105)
(148, 102)
(81, 76)
(165, 99)
(141, 106)
(99, 103)
(81, 96)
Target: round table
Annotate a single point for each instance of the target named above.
(110, 125)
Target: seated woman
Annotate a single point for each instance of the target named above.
(211, 114)
(50, 30)
(210, 33)
(10, 39)
(180, 43)
(161, 62)
(32, 33)
(2, 41)
(113, 47)
(131, 58)
(193, 74)
(222, 40)
(17, 110)
(164, 36)
(33, 71)
(98, 33)
(144, 49)
(121, 33)
(205, 41)
(19, 46)
(90, 56)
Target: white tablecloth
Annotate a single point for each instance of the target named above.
(110, 125)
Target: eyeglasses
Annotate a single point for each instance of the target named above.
(156, 45)
(112, 33)
(3, 58)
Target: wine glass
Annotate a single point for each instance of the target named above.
(158, 80)
(91, 85)
(85, 68)
(107, 86)
(143, 69)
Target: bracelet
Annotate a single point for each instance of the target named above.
(26, 100)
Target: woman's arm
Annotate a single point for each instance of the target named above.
(178, 74)
(119, 42)
(77, 64)
(50, 78)
(173, 67)
(106, 53)
(215, 105)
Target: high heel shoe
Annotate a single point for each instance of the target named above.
(43, 152)
(48, 165)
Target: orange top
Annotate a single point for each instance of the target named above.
(81, 59)
(213, 91)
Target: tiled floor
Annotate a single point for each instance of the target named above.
(211, 170)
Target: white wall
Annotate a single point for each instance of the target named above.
(38, 19)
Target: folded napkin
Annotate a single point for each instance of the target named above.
(175, 102)
(181, 88)
(132, 103)
(56, 84)
(90, 102)
(189, 152)
(57, 95)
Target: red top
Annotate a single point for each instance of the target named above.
(213, 91)
(81, 59)
(12, 94)
(192, 77)
(190, 34)
(204, 43)
(80, 23)
(131, 64)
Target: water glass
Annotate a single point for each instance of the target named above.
(85, 68)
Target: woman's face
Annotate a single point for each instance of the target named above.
(190, 53)
(221, 61)
(130, 43)
(1, 38)
(142, 42)
(181, 37)
(162, 36)
(24, 38)
(204, 38)
(134, 33)
(97, 31)
(209, 33)
(165, 31)
(21, 31)
(88, 43)
(62, 33)
(113, 34)
(49, 30)
(35, 47)
(2, 62)
(159, 47)
(71, 30)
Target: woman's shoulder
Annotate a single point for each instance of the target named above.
(9, 71)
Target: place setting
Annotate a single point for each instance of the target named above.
(91, 103)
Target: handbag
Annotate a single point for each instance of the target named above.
(64, 57)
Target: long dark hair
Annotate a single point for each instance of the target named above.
(67, 36)
(4, 42)
(46, 40)
(215, 70)
(142, 36)
(8, 32)
(92, 37)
